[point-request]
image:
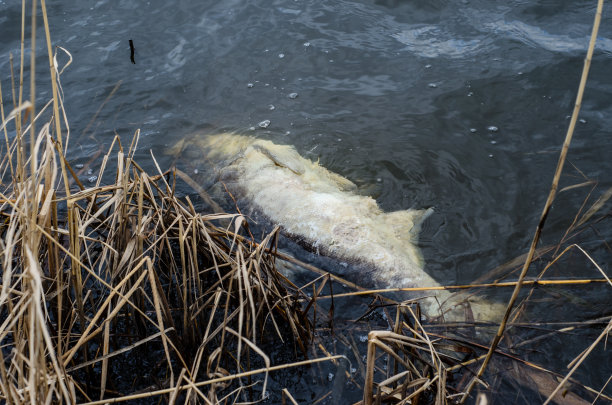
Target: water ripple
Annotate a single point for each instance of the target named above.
(539, 38)
(364, 85)
(431, 41)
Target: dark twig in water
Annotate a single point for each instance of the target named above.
(132, 52)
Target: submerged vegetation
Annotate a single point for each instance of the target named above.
(123, 292)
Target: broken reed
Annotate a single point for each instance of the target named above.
(90, 276)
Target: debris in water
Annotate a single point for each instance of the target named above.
(92, 179)
(271, 107)
(432, 85)
(472, 130)
(293, 95)
(493, 128)
(281, 55)
(264, 124)
(132, 51)
(330, 376)
(250, 85)
(79, 165)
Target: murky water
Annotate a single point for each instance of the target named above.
(457, 105)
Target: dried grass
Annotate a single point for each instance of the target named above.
(91, 275)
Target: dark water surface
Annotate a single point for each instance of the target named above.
(457, 105)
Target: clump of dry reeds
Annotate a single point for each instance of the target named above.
(412, 362)
(94, 278)
(414, 366)
(92, 274)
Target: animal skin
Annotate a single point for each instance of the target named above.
(322, 209)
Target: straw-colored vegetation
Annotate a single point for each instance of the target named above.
(122, 291)
(110, 268)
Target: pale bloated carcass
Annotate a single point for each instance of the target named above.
(322, 208)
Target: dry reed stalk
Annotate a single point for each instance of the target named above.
(549, 201)
(287, 396)
(578, 361)
(472, 286)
